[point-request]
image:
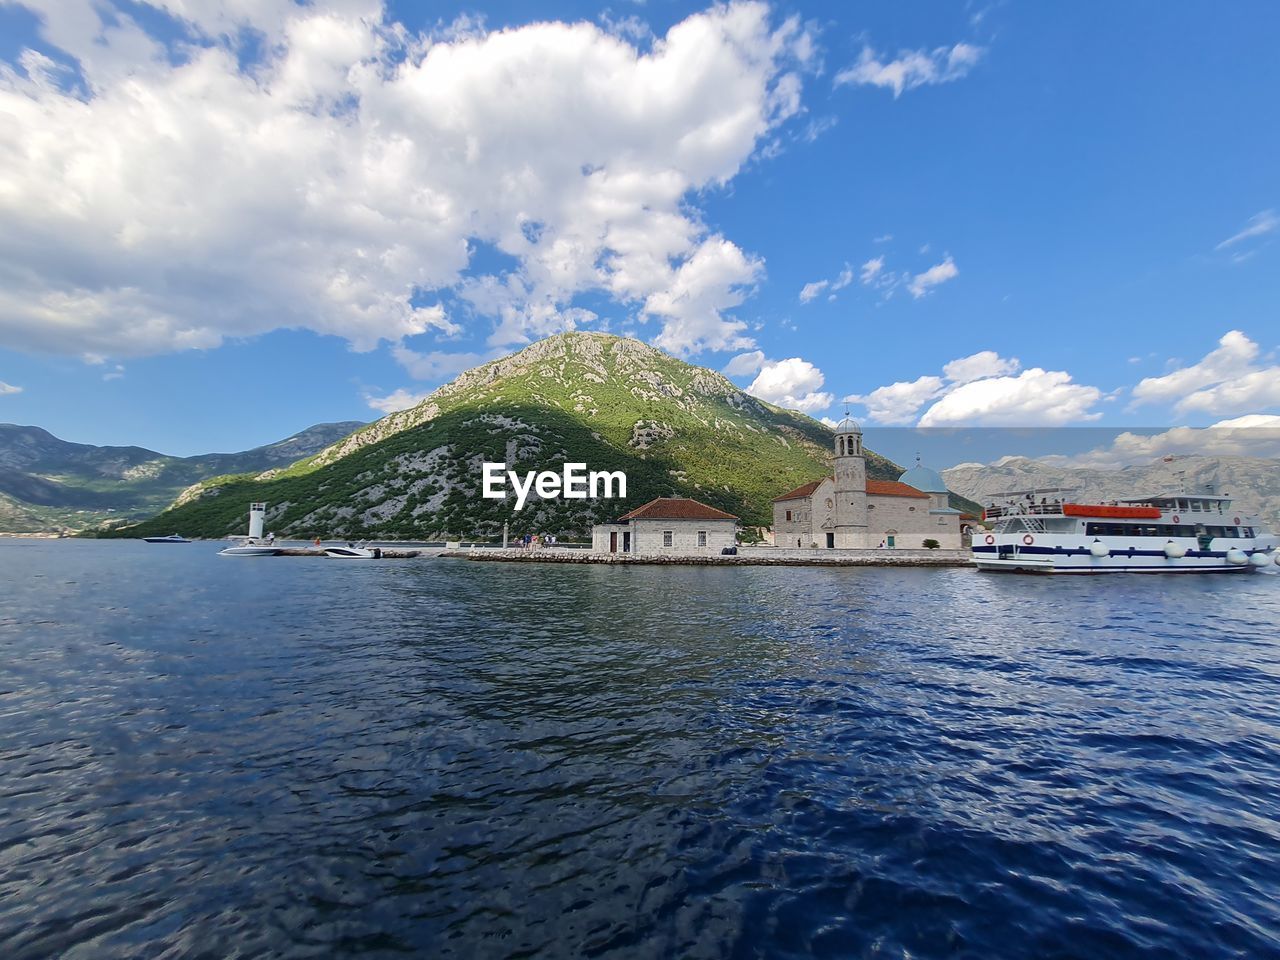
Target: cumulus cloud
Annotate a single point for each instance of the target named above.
(792, 383)
(1226, 380)
(1040, 397)
(912, 68)
(319, 166)
(1260, 224)
(987, 363)
(939, 273)
(899, 402)
(983, 389)
(745, 364)
(1253, 435)
(395, 401)
(8, 388)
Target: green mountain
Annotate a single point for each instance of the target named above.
(48, 484)
(608, 402)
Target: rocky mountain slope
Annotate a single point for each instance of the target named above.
(49, 484)
(608, 402)
(1254, 482)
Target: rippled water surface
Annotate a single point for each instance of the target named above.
(203, 756)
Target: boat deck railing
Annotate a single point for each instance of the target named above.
(1024, 510)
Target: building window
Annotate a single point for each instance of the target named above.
(666, 538)
(788, 516)
(702, 538)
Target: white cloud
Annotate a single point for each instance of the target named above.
(8, 388)
(1259, 225)
(1034, 397)
(939, 273)
(791, 383)
(162, 196)
(745, 364)
(980, 390)
(1226, 380)
(717, 277)
(396, 401)
(899, 402)
(987, 363)
(842, 280)
(912, 68)
(871, 269)
(1254, 435)
(811, 290)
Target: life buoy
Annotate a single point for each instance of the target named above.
(1236, 521)
(1028, 540)
(990, 539)
(1176, 518)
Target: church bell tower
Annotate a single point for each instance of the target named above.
(850, 486)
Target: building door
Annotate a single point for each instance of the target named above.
(626, 541)
(889, 541)
(613, 541)
(831, 540)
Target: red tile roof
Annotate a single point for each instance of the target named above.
(879, 488)
(893, 488)
(799, 492)
(676, 508)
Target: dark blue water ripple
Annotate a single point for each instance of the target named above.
(211, 757)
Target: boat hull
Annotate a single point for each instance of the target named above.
(249, 552)
(352, 553)
(1010, 554)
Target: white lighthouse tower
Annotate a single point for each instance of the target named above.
(256, 513)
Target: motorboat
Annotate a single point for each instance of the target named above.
(172, 538)
(353, 551)
(251, 547)
(1051, 531)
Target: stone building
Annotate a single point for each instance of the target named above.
(848, 511)
(671, 526)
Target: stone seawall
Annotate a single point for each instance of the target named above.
(790, 558)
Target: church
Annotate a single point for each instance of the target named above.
(848, 511)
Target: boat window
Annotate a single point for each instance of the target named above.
(1248, 531)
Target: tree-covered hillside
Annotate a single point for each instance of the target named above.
(608, 402)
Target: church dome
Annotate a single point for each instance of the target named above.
(847, 426)
(924, 479)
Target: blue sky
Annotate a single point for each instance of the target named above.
(217, 230)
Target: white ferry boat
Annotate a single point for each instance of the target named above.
(1047, 531)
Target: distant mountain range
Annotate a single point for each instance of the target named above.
(48, 484)
(1253, 482)
(609, 402)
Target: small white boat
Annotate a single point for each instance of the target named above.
(250, 547)
(172, 538)
(353, 551)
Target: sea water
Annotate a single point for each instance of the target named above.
(203, 756)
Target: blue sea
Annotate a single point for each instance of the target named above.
(213, 757)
